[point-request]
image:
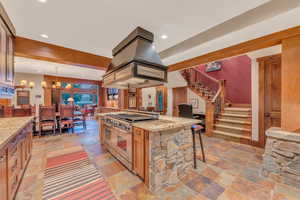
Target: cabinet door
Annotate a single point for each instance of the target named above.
(9, 69)
(138, 152)
(3, 175)
(3, 48)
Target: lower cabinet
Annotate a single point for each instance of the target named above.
(13, 162)
(138, 152)
(3, 174)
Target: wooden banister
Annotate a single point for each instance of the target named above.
(207, 76)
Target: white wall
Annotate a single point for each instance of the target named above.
(255, 85)
(201, 103)
(37, 90)
(175, 80)
(278, 23)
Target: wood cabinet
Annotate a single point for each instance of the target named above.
(6, 55)
(13, 161)
(3, 174)
(139, 152)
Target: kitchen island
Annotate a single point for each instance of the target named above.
(15, 153)
(159, 151)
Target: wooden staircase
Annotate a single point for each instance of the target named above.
(234, 124)
(223, 119)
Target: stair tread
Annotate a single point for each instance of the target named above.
(232, 127)
(238, 109)
(231, 134)
(235, 115)
(234, 121)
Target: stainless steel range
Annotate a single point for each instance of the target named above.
(118, 134)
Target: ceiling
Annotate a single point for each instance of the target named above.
(31, 66)
(96, 26)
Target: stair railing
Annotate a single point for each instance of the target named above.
(217, 104)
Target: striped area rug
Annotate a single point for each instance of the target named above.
(72, 176)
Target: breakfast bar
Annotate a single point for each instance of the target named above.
(159, 151)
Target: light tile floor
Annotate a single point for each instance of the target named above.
(232, 172)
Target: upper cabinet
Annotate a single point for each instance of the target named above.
(6, 54)
(7, 38)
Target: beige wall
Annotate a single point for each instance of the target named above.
(37, 90)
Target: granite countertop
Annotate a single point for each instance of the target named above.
(164, 122)
(11, 126)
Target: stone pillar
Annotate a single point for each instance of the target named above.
(281, 160)
(290, 100)
(171, 156)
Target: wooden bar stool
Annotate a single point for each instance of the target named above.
(197, 129)
(186, 110)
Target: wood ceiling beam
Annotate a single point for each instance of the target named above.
(48, 52)
(245, 47)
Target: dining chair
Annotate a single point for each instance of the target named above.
(80, 118)
(66, 115)
(47, 117)
(23, 111)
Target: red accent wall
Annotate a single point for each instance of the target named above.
(237, 73)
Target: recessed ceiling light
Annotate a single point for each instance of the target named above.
(164, 37)
(44, 36)
(42, 1)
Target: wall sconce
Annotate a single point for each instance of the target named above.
(58, 84)
(44, 84)
(23, 83)
(31, 84)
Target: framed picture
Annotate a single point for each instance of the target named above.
(194, 102)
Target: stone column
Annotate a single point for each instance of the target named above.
(281, 160)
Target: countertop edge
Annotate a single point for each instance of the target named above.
(17, 131)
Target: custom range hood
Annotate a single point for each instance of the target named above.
(135, 63)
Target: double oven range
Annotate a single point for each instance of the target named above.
(118, 133)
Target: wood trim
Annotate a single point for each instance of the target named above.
(261, 98)
(48, 52)
(261, 104)
(69, 80)
(245, 47)
(6, 20)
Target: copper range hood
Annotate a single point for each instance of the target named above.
(135, 63)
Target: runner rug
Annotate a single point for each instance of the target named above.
(72, 176)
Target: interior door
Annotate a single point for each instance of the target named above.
(270, 94)
(179, 97)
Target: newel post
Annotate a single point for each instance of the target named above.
(222, 94)
(209, 118)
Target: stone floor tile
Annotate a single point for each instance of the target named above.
(225, 179)
(230, 194)
(212, 191)
(123, 181)
(210, 173)
(112, 169)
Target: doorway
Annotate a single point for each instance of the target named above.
(269, 94)
(179, 97)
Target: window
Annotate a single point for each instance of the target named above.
(65, 97)
(84, 86)
(82, 99)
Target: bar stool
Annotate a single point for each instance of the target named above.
(196, 128)
(186, 110)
